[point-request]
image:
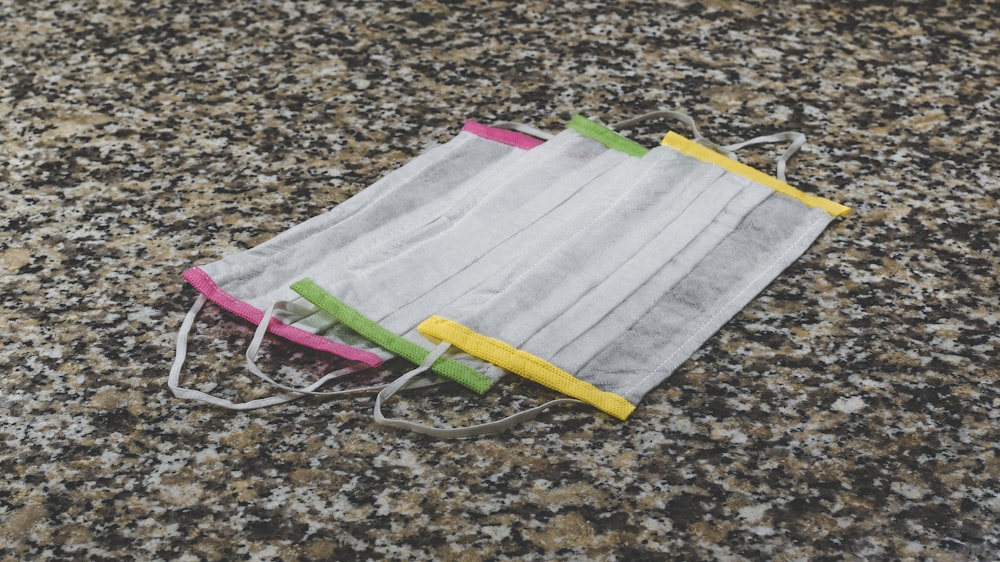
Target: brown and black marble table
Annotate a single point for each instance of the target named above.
(850, 412)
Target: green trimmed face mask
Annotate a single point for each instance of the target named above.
(608, 309)
(387, 295)
(379, 220)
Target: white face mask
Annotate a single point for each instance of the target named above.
(607, 313)
(389, 293)
(632, 348)
(382, 215)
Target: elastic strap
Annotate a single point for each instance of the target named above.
(254, 349)
(678, 116)
(451, 432)
(522, 128)
(795, 138)
(173, 380)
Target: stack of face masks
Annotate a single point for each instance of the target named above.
(586, 263)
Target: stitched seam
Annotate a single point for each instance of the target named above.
(605, 136)
(690, 148)
(525, 364)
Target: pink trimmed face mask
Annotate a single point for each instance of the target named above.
(381, 218)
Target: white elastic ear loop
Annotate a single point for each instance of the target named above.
(452, 432)
(797, 140)
(683, 118)
(522, 128)
(173, 380)
(254, 349)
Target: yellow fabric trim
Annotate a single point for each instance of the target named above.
(706, 154)
(525, 364)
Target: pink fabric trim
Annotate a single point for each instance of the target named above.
(201, 281)
(503, 136)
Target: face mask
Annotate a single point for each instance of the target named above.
(608, 314)
(382, 215)
(390, 294)
(632, 348)
(528, 243)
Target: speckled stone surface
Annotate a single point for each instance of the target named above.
(851, 412)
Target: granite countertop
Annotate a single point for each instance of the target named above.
(851, 411)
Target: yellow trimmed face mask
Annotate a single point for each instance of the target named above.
(606, 312)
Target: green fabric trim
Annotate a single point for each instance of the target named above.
(395, 344)
(605, 136)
